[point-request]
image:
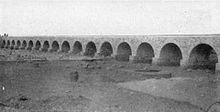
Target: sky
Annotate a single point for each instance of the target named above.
(109, 17)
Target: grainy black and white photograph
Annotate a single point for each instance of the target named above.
(109, 56)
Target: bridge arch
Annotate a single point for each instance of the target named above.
(55, 46)
(170, 55)
(24, 44)
(18, 44)
(77, 47)
(3, 44)
(46, 46)
(123, 52)
(144, 53)
(203, 56)
(37, 45)
(30, 45)
(106, 49)
(12, 44)
(90, 49)
(8, 44)
(65, 47)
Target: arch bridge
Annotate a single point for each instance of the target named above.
(196, 51)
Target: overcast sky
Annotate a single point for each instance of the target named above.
(108, 17)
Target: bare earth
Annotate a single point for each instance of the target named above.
(102, 86)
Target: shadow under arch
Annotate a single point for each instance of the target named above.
(30, 45)
(106, 49)
(90, 49)
(77, 47)
(37, 45)
(45, 46)
(18, 45)
(55, 46)
(65, 47)
(123, 52)
(203, 56)
(3, 44)
(170, 55)
(12, 44)
(144, 54)
(8, 44)
(24, 44)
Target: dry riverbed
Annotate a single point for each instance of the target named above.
(103, 86)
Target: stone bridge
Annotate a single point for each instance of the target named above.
(197, 51)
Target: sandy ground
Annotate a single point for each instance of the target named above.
(196, 91)
(103, 86)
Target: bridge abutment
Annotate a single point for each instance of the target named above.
(131, 58)
(155, 60)
(184, 62)
(217, 68)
